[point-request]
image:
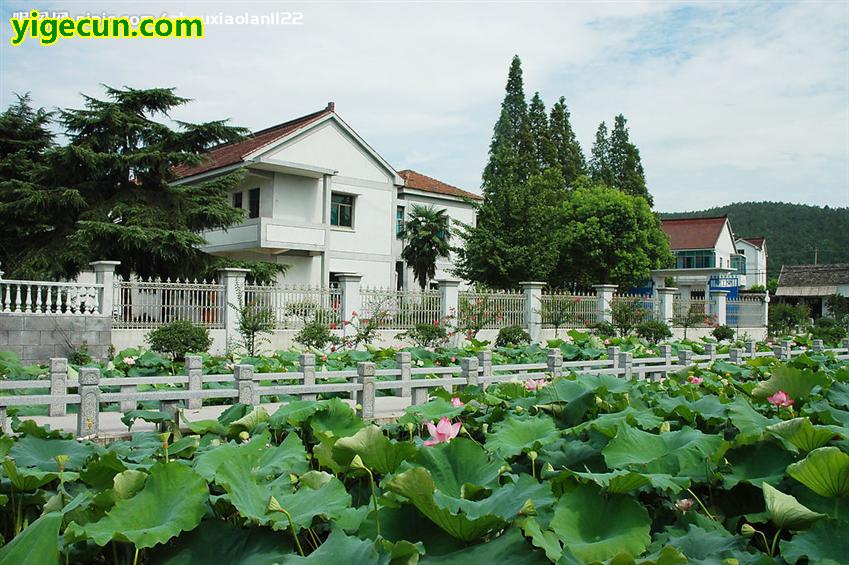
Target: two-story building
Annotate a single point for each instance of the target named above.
(706, 257)
(754, 267)
(321, 200)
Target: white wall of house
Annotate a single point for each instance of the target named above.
(755, 262)
(724, 248)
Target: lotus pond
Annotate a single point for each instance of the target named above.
(736, 464)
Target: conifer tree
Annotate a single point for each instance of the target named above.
(545, 155)
(625, 164)
(568, 154)
(600, 167)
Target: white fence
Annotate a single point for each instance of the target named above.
(692, 312)
(491, 310)
(296, 305)
(36, 297)
(400, 310)
(633, 308)
(140, 304)
(561, 309)
(745, 312)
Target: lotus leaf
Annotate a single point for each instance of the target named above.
(825, 471)
(786, 512)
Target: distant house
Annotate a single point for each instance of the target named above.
(754, 267)
(320, 199)
(812, 284)
(705, 256)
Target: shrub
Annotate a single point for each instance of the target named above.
(512, 335)
(829, 330)
(603, 329)
(785, 318)
(427, 335)
(838, 306)
(79, 355)
(757, 288)
(627, 315)
(178, 338)
(654, 331)
(722, 333)
(316, 335)
(255, 320)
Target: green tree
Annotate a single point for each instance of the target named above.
(117, 198)
(625, 164)
(545, 153)
(600, 168)
(568, 153)
(607, 236)
(427, 235)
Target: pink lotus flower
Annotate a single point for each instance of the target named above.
(684, 504)
(456, 402)
(443, 432)
(532, 384)
(694, 380)
(453, 359)
(781, 399)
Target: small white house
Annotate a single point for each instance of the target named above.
(754, 250)
(320, 199)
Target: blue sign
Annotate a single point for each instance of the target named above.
(729, 283)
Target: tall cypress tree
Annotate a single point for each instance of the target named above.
(600, 167)
(545, 155)
(568, 153)
(625, 163)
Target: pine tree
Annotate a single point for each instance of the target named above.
(544, 150)
(568, 154)
(600, 166)
(625, 164)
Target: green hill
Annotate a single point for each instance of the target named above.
(795, 233)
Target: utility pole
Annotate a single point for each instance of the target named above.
(816, 254)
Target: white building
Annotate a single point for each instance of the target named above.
(754, 250)
(321, 200)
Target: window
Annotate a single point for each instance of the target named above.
(695, 259)
(253, 203)
(399, 221)
(739, 263)
(342, 210)
(399, 275)
(237, 200)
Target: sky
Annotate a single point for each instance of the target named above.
(726, 101)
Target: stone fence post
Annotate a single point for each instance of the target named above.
(817, 345)
(404, 362)
(485, 364)
(710, 350)
(104, 274)
(234, 281)
(685, 357)
(364, 397)
(533, 308)
(58, 385)
(719, 301)
(449, 308)
(613, 355)
(666, 297)
(469, 370)
(194, 370)
(604, 294)
(88, 415)
(307, 363)
(349, 284)
(244, 376)
(765, 311)
(555, 362)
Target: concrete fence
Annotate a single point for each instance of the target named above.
(362, 383)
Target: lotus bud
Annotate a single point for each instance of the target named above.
(410, 427)
(163, 437)
(528, 509)
(532, 455)
(748, 530)
(61, 460)
(549, 468)
(485, 428)
(215, 443)
(504, 469)
(293, 478)
(244, 436)
(273, 505)
(664, 427)
(357, 463)
(519, 409)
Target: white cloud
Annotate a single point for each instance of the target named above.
(726, 101)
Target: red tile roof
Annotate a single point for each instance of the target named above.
(693, 233)
(756, 241)
(233, 153)
(418, 181)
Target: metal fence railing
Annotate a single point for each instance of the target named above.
(693, 312)
(399, 309)
(491, 310)
(140, 304)
(296, 305)
(635, 308)
(744, 313)
(568, 309)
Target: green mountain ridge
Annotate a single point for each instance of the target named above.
(796, 234)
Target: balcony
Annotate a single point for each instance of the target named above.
(266, 235)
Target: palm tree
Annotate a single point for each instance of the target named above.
(426, 234)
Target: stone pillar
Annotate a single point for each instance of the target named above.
(751, 348)
(604, 294)
(349, 283)
(666, 297)
(626, 363)
(817, 345)
(778, 351)
(665, 351)
(194, 370)
(244, 375)
(403, 362)
(58, 385)
(846, 343)
(469, 370)
(555, 362)
(710, 350)
(735, 355)
(307, 363)
(234, 281)
(718, 298)
(364, 398)
(613, 355)
(765, 313)
(685, 357)
(485, 363)
(172, 408)
(533, 308)
(88, 416)
(129, 405)
(449, 307)
(104, 274)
